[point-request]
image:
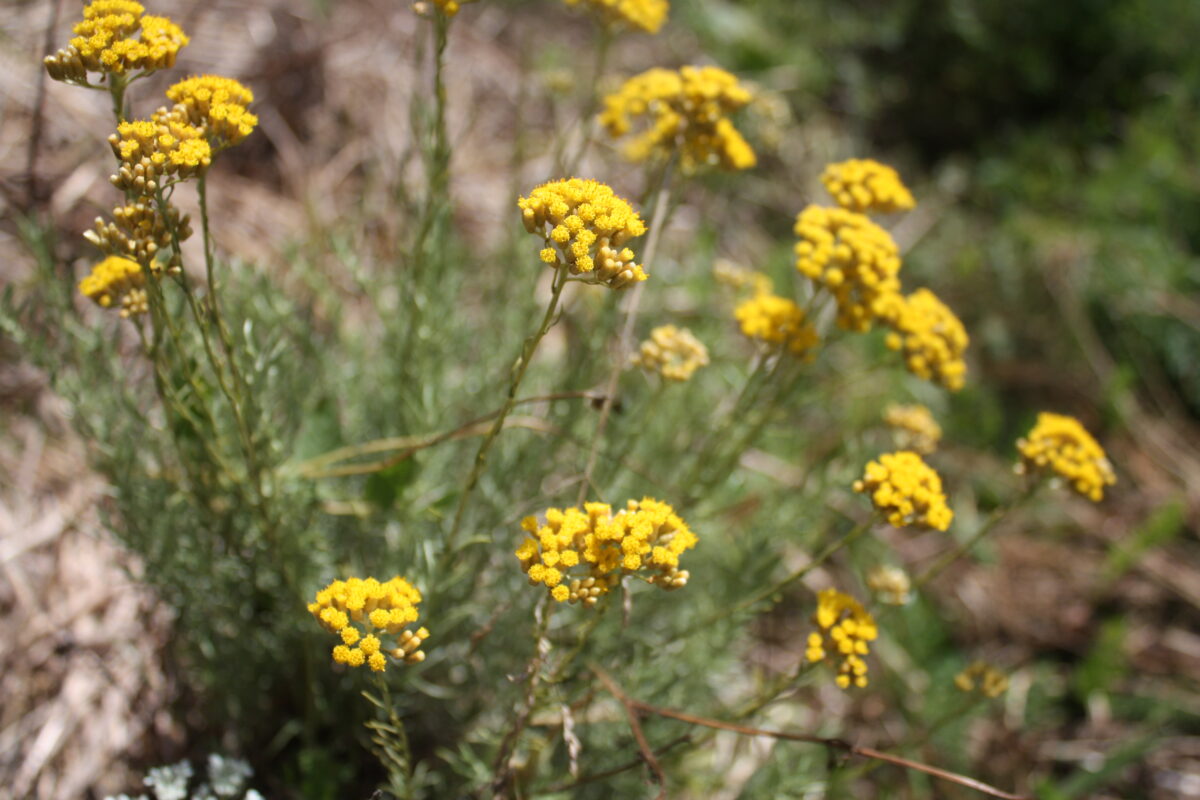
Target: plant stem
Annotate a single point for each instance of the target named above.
(657, 222)
(519, 368)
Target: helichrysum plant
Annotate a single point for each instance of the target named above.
(983, 678)
(906, 490)
(845, 630)
(585, 226)
(361, 611)
(1058, 446)
(688, 112)
(674, 353)
(778, 322)
(580, 555)
(865, 186)
(913, 428)
(238, 483)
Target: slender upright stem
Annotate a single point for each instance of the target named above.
(603, 47)
(625, 343)
(116, 90)
(519, 368)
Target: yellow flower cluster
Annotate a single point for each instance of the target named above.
(105, 42)
(738, 277)
(863, 185)
(360, 611)
(217, 106)
(913, 427)
(990, 681)
(117, 282)
(907, 490)
(890, 584)
(931, 337)
(138, 231)
(585, 225)
(1060, 444)
(579, 555)
(674, 353)
(777, 321)
(855, 259)
(647, 15)
(166, 146)
(850, 628)
(689, 110)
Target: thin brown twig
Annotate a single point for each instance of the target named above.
(631, 710)
(594, 777)
(632, 705)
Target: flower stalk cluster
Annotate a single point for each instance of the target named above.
(688, 112)
(1058, 445)
(579, 555)
(116, 38)
(361, 611)
(840, 249)
(907, 491)
(674, 353)
(913, 428)
(585, 226)
(779, 322)
(846, 629)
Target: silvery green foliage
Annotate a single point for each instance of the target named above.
(226, 779)
(170, 782)
(227, 776)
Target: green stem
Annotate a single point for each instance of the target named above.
(987, 527)
(657, 222)
(116, 90)
(519, 368)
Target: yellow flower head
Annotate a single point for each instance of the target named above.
(646, 15)
(863, 185)
(855, 259)
(115, 37)
(913, 428)
(585, 225)
(140, 232)
(890, 584)
(360, 611)
(117, 282)
(990, 681)
(579, 555)
(907, 490)
(1058, 444)
(688, 110)
(740, 278)
(674, 353)
(931, 337)
(777, 321)
(217, 106)
(151, 151)
(845, 628)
